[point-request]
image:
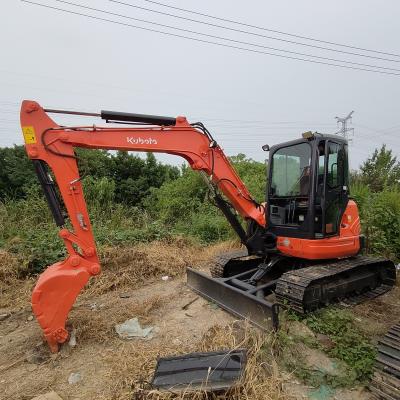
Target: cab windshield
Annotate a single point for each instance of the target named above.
(291, 171)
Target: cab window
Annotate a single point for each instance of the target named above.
(291, 171)
(332, 172)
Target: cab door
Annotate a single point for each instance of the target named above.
(336, 186)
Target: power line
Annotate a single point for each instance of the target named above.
(249, 33)
(387, 132)
(8, 102)
(206, 41)
(270, 30)
(264, 124)
(260, 121)
(223, 38)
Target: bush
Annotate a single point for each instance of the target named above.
(177, 200)
(381, 222)
(361, 194)
(28, 231)
(184, 205)
(207, 225)
(99, 193)
(380, 218)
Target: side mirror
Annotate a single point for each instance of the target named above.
(265, 147)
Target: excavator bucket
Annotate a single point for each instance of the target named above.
(237, 297)
(54, 296)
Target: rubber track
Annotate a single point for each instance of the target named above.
(218, 268)
(371, 294)
(292, 286)
(385, 383)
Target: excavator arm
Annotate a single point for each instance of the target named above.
(50, 145)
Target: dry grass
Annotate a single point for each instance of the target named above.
(9, 268)
(122, 267)
(132, 367)
(375, 317)
(98, 326)
(14, 288)
(135, 266)
(126, 365)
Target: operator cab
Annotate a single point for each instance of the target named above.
(307, 190)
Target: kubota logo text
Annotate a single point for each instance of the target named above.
(139, 140)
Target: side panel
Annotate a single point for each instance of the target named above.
(345, 245)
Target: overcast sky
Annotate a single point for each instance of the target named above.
(246, 99)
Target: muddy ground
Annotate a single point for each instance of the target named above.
(132, 285)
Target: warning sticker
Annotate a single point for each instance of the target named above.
(29, 134)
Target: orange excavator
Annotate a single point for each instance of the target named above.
(301, 246)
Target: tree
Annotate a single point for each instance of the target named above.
(253, 174)
(130, 176)
(16, 172)
(135, 177)
(183, 204)
(381, 170)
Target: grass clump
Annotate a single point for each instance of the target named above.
(303, 356)
(350, 344)
(325, 348)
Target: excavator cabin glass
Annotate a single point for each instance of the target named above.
(308, 187)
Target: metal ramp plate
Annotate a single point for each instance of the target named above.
(200, 371)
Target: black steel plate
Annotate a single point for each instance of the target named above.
(206, 371)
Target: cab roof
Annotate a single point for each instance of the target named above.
(316, 137)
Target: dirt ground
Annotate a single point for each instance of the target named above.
(131, 286)
(100, 355)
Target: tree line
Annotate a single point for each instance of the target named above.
(132, 199)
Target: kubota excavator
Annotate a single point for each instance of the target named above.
(302, 245)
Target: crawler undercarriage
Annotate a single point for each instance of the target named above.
(252, 288)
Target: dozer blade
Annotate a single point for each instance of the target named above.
(236, 296)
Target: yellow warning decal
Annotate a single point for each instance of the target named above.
(29, 134)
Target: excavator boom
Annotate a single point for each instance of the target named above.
(50, 145)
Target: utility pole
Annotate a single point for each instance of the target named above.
(344, 130)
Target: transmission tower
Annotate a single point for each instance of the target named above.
(344, 130)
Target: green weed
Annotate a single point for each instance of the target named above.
(350, 344)
(351, 356)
